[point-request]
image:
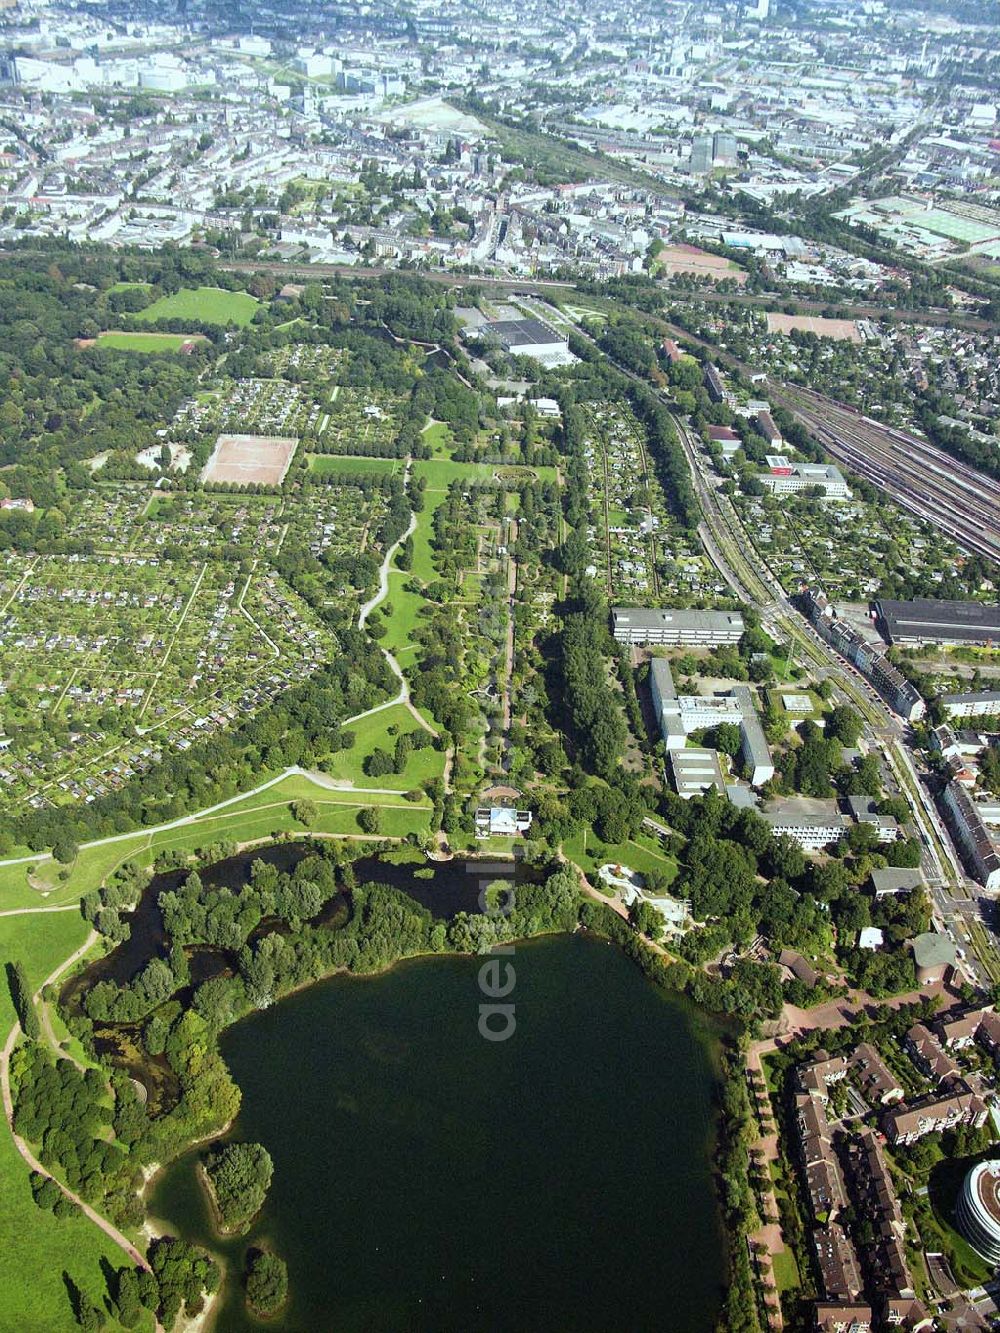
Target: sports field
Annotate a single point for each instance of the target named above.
(941, 222)
(844, 330)
(674, 259)
(150, 342)
(250, 459)
(209, 305)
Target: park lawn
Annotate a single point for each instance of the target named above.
(406, 609)
(147, 342)
(439, 437)
(641, 853)
(244, 821)
(208, 305)
(422, 564)
(33, 1242)
(326, 463)
(337, 816)
(373, 733)
(441, 472)
(129, 286)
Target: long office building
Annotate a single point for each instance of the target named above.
(927, 620)
(713, 383)
(893, 686)
(669, 628)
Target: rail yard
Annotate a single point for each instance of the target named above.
(960, 500)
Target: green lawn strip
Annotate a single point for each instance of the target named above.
(146, 342)
(373, 733)
(323, 464)
(441, 472)
(243, 821)
(211, 305)
(786, 1271)
(423, 564)
(438, 436)
(36, 1248)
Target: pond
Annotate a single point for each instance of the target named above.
(428, 1179)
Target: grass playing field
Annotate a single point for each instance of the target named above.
(325, 463)
(209, 305)
(147, 342)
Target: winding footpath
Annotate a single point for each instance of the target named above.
(109, 1229)
(376, 599)
(320, 779)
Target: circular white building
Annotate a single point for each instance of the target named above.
(978, 1210)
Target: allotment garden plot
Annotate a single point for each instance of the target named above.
(849, 547)
(362, 421)
(251, 406)
(638, 550)
(176, 626)
(306, 360)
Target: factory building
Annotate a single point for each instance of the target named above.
(787, 478)
(928, 620)
(529, 337)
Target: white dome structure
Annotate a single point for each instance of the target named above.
(978, 1210)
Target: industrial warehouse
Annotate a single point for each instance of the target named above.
(925, 620)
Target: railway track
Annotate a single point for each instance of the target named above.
(929, 483)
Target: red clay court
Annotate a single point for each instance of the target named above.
(250, 459)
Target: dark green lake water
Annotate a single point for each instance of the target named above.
(429, 1180)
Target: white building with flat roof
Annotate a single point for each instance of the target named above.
(790, 478)
(669, 628)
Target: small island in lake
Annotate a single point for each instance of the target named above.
(266, 1283)
(237, 1176)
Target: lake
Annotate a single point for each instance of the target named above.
(429, 1180)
